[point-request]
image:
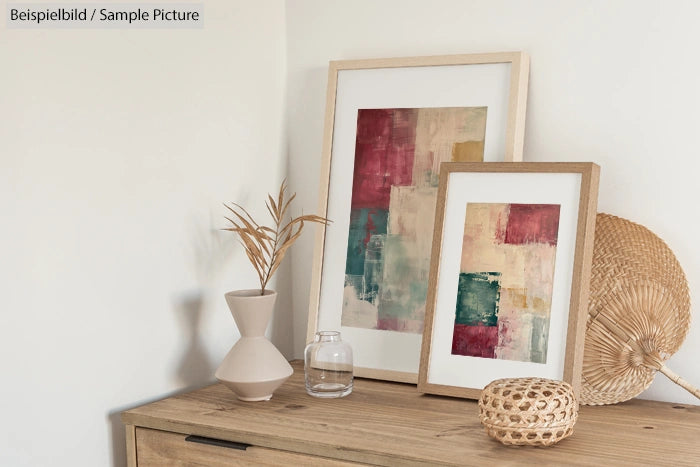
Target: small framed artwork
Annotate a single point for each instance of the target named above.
(509, 275)
(390, 123)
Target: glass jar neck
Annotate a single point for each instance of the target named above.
(327, 336)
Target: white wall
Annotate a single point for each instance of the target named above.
(117, 148)
(610, 82)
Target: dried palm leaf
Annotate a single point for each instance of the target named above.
(266, 246)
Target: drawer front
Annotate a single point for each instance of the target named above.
(155, 447)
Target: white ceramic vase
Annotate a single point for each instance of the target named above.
(253, 369)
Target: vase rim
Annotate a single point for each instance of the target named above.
(250, 293)
(327, 336)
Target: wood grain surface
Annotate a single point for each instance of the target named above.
(166, 448)
(388, 423)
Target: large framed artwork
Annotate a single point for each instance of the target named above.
(390, 123)
(509, 275)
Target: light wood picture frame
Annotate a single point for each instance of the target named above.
(389, 124)
(509, 275)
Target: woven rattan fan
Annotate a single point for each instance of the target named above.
(638, 313)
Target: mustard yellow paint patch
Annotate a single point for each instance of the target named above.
(468, 151)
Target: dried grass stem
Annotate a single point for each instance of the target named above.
(266, 246)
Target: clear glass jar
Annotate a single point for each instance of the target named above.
(328, 366)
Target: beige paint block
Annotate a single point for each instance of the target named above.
(539, 279)
(481, 251)
(437, 130)
(411, 215)
(357, 313)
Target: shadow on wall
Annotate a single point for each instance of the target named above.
(281, 330)
(211, 250)
(193, 371)
(195, 367)
(118, 436)
(118, 430)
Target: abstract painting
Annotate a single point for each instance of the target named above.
(510, 268)
(395, 181)
(504, 295)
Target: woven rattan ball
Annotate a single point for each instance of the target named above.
(638, 312)
(528, 411)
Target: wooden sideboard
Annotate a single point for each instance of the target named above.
(387, 423)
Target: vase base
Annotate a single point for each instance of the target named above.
(254, 399)
(254, 391)
(329, 390)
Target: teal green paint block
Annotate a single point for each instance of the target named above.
(364, 223)
(374, 267)
(478, 294)
(405, 286)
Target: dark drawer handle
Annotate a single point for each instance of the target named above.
(217, 442)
